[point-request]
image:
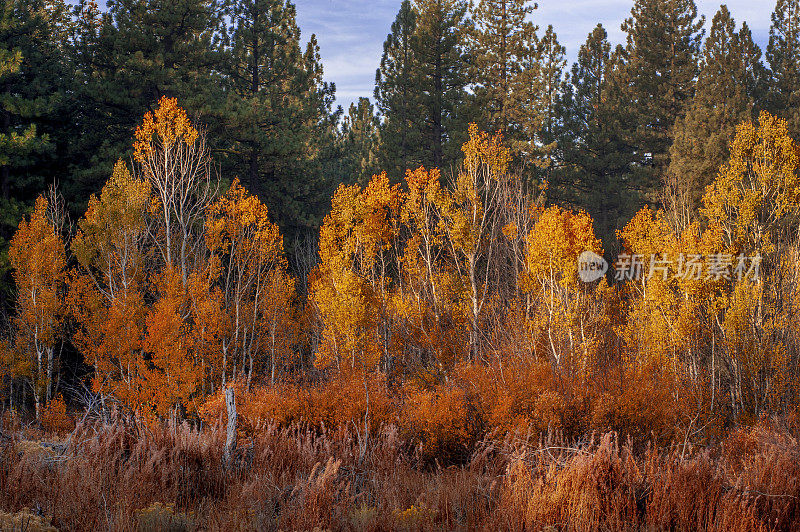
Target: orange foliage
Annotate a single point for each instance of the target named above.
(167, 125)
(257, 292)
(171, 376)
(38, 257)
(54, 417)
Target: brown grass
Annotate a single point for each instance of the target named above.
(128, 476)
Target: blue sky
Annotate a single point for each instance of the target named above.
(351, 32)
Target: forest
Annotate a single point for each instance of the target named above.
(398, 294)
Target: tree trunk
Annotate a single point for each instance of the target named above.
(230, 440)
(49, 396)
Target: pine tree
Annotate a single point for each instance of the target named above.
(264, 72)
(723, 98)
(441, 77)
(421, 86)
(127, 58)
(33, 85)
(663, 43)
(276, 102)
(504, 43)
(756, 77)
(395, 96)
(361, 140)
(593, 156)
(545, 75)
(303, 198)
(783, 55)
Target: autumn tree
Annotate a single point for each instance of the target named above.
(144, 275)
(38, 257)
(753, 205)
(564, 324)
(351, 286)
(173, 157)
(428, 301)
(257, 292)
(108, 291)
(754, 200)
(171, 377)
(698, 304)
(470, 220)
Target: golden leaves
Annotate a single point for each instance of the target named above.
(485, 149)
(168, 124)
(556, 241)
(113, 222)
(758, 190)
(238, 218)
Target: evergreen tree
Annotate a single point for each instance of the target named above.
(421, 86)
(730, 71)
(594, 159)
(33, 89)
(277, 108)
(545, 75)
(756, 77)
(783, 55)
(140, 51)
(657, 81)
(301, 198)
(395, 93)
(441, 76)
(505, 46)
(361, 140)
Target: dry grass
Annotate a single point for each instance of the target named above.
(129, 476)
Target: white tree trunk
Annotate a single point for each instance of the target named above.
(230, 440)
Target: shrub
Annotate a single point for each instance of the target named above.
(25, 521)
(54, 417)
(162, 517)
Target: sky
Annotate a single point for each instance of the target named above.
(351, 32)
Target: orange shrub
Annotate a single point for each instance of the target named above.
(443, 421)
(54, 417)
(339, 402)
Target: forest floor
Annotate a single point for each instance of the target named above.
(124, 475)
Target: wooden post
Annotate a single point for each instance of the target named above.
(230, 440)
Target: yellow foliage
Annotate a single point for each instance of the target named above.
(110, 236)
(566, 315)
(351, 283)
(758, 190)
